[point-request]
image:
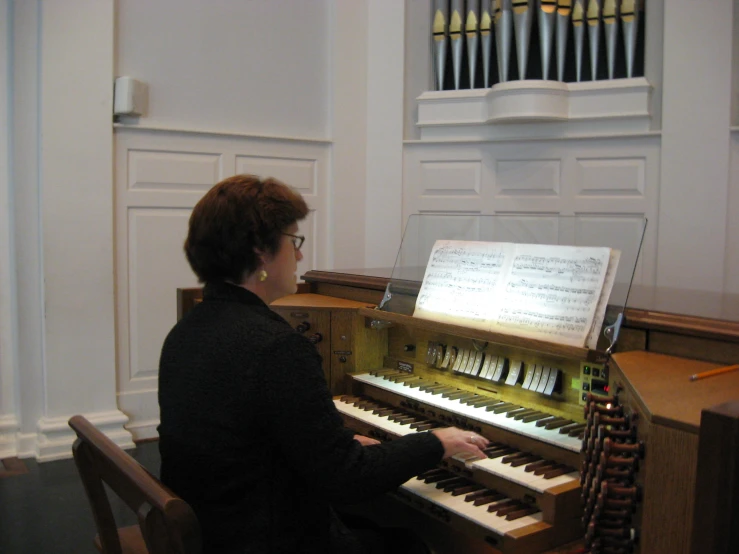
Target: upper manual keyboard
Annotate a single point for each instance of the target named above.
(533, 429)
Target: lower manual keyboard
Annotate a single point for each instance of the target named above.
(534, 478)
(509, 525)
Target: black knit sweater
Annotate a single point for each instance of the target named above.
(250, 437)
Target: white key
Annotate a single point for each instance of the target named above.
(479, 414)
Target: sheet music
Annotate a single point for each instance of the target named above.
(605, 295)
(548, 292)
(459, 280)
(552, 292)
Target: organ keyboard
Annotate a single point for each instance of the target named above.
(547, 429)
(387, 385)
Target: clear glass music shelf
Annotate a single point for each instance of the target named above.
(423, 230)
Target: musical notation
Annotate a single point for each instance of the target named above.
(551, 292)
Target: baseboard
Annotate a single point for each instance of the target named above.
(144, 430)
(8, 436)
(55, 438)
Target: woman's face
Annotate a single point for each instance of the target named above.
(281, 267)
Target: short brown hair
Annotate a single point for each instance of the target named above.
(235, 217)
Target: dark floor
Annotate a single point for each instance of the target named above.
(46, 510)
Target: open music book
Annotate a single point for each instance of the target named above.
(548, 292)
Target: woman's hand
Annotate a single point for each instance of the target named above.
(457, 441)
(365, 441)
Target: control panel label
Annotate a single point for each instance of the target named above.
(405, 366)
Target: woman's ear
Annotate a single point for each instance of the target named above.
(264, 257)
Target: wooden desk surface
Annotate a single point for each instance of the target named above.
(318, 301)
(666, 392)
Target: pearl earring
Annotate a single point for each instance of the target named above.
(262, 275)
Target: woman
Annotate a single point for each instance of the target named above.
(249, 434)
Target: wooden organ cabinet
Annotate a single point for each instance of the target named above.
(332, 324)
(621, 471)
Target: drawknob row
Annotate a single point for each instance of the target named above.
(611, 456)
(304, 327)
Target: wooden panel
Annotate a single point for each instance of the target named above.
(300, 173)
(666, 391)
(340, 291)
(316, 301)
(370, 344)
(631, 339)
(353, 346)
(528, 177)
(687, 325)
(159, 177)
(670, 468)
(612, 176)
(189, 296)
(186, 300)
(667, 408)
(155, 268)
(717, 485)
(718, 351)
(319, 322)
(152, 170)
(451, 178)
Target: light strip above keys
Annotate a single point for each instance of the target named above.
(554, 437)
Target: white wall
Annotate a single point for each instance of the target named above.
(8, 306)
(676, 172)
(696, 115)
(317, 92)
(234, 87)
(385, 79)
(62, 233)
(257, 67)
(349, 52)
(28, 370)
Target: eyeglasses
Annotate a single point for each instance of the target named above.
(297, 240)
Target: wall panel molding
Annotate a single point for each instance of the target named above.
(159, 177)
(609, 185)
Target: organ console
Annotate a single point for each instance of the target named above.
(590, 451)
(615, 472)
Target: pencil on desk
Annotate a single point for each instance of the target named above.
(711, 372)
